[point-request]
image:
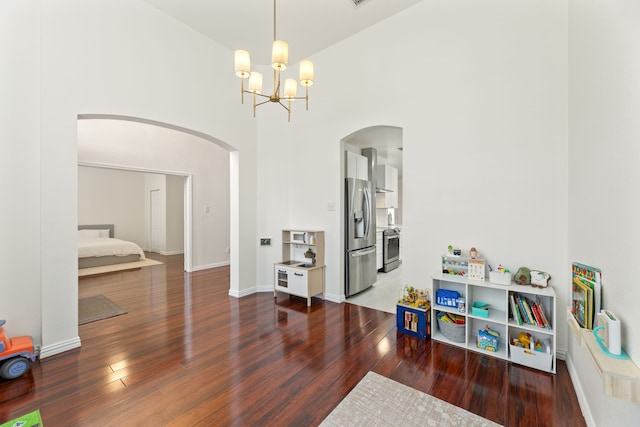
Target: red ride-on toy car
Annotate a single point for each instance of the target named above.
(16, 355)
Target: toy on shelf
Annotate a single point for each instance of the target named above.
(413, 297)
(540, 279)
(488, 339)
(16, 355)
(522, 276)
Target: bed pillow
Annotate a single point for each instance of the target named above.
(88, 234)
(103, 234)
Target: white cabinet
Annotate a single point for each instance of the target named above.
(379, 248)
(500, 318)
(357, 166)
(297, 273)
(386, 187)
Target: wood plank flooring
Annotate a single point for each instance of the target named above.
(188, 354)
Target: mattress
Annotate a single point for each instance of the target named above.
(101, 246)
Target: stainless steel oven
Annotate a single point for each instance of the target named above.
(390, 249)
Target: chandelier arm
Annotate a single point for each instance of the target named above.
(258, 94)
(263, 102)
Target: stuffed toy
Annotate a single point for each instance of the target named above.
(522, 276)
(540, 279)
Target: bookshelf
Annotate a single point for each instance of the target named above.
(499, 319)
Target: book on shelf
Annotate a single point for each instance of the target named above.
(528, 312)
(586, 286)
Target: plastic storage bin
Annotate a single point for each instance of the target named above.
(500, 278)
(531, 358)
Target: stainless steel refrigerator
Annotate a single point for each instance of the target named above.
(360, 234)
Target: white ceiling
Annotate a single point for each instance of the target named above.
(309, 26)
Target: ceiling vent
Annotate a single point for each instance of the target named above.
(357, 3)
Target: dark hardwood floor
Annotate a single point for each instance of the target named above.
(188, 354)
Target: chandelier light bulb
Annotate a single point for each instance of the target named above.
(255, 82)
(290, 88)
(242, 61)
(279, 55)
(306, 73)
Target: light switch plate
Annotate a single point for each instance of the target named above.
(265, 241)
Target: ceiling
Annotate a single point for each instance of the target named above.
(309, 26)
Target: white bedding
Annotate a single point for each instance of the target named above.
(101, 246)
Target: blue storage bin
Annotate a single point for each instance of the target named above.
(447, 297)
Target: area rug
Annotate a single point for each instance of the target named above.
(116, 267)
(97, 308)
(379, 401)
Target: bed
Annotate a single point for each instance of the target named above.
(97, 246)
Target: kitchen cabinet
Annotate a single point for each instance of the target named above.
(302, 270)
(500, 299)
(357, 166)
(379, 248)
(386, 187)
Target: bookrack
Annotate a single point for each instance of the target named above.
(620, 378)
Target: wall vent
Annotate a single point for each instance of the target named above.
(357, 3)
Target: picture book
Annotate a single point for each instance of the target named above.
(586, 293)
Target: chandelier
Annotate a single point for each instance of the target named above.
(279, 58)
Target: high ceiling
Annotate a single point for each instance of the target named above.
(309, 26)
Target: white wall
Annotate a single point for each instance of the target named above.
(107, 196)
(20, 256)
(479, 90)
(604, 101)
(119, 57)
(175, 212)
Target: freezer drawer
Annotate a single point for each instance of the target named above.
(361, 270)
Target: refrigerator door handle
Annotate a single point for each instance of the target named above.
(362, 253)
(367, 208)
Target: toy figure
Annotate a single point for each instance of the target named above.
(539, 279)
(16, 355)
(522, 276)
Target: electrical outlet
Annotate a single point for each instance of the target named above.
(265, 241)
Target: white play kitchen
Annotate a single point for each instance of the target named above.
(301, 272)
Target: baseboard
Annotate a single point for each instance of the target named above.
(334, 298)
(59, 347)
(243, 293)
(582, 400)
(169, 253)
(208, 266)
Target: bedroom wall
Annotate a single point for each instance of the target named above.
(604, 100)
(75, 57)
(108, 196)
(175, 214)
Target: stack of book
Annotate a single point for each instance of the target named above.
(527, 312)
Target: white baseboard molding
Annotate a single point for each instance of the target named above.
(59, 347)
(582, 400)
(169, 253)
(243, 293)
(334, 298)
(208, 266)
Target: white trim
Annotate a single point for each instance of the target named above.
(208, 266)
(59, 347)
(339, 299)
(582, 400)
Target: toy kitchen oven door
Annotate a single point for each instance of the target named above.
(390, 249)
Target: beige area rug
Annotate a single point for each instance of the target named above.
(379, 401)
(97, 307)
(117, 267)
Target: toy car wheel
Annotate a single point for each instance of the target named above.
(13, 368)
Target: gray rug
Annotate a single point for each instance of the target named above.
(379, 401)
(97, 308)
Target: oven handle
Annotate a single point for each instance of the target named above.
(391, 237)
